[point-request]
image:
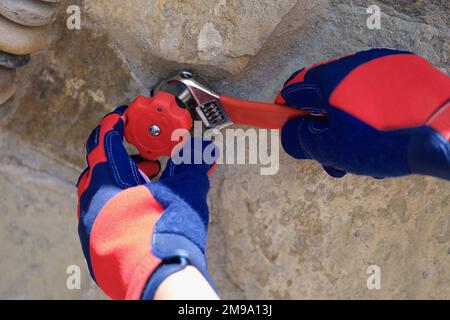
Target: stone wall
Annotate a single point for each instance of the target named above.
(298, 234)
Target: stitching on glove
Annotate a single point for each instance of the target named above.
(300, 87)
(97, 133)
(315, 110)
(108, 146)
(315, 130)
(172, 169)
(300, 139)
(134, 172)
(297, 88)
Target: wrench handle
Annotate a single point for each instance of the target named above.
(259, 114)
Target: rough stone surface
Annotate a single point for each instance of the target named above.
(298, 234)
(28, 12)
(170, 29)
(7, 83)
(37, 225)
(19, 39)
(13, 61)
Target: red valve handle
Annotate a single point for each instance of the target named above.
(150, 122)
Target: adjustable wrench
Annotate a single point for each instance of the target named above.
(178, 101)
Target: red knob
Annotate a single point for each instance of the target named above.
(150, 122)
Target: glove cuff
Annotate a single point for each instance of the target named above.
(166, 269)
(176, 253)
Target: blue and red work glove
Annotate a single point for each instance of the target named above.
(380, 113)
(135, 234)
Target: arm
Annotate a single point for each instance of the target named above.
(179, 287)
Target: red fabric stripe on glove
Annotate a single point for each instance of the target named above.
(120, 243)
(388, 106)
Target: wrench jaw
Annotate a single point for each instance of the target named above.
(203, 103)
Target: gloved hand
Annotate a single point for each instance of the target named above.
(381, 113)
(135, 234)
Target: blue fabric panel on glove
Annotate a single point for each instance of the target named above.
(91, 202)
